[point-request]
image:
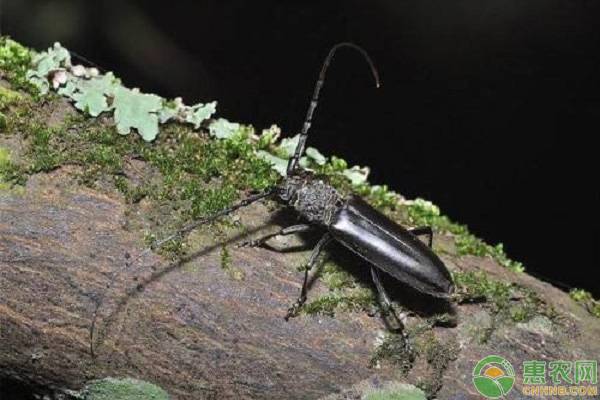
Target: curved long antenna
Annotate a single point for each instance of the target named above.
(293, 163)
(158, 244)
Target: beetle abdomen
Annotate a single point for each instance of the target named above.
(390, 247)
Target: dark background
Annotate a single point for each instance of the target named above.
(488, 108)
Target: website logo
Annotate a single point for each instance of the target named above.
(493, 377)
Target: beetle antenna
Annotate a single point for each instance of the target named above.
(292, 164)
(158, 244)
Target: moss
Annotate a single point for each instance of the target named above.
(206, 173)
(341, 300)
(345, 294)
(132, 193)
(586, 299)
(14, 62)
(11, 174)
(396, 392)
(198, 175)
(507, 301)
(335, 277)
(173, 249)
(123, 389)
(44, 156)
(226, 264)
(201, 176)
(438, 356)
(379, 196)
(225, 258)
(422, 342)
(445, 319)
(8, 98)
(421, 212)
(394, 350)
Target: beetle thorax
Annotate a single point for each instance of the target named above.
(315, 200)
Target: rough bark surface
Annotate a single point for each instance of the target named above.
(192, 329)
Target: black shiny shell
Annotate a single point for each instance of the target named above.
(390, 247)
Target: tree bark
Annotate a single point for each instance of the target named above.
(199, 331)
(188, 327)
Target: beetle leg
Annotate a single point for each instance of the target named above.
(383, 296)
(285, 231)
(422, 231)
(394, 323)
(293, 310)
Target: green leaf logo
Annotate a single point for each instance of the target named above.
(493, 377)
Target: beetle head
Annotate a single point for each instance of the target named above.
(288, 188)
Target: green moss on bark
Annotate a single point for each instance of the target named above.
(123, 389)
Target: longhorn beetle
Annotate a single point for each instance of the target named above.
(385, 245)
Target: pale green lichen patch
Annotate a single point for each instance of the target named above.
(196, 175)
(94, 94)
(586, 300)
(123, 389)
(91, 95)
(150, 110)
(398, 391)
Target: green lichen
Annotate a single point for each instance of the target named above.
(199, 175)
(135, 110)
(223, 129)
(586, 299)
(422, 212)
(92, 95)
(396, 392)
(46, 64)
(199, 113)
(123, 389)
(95, 94)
